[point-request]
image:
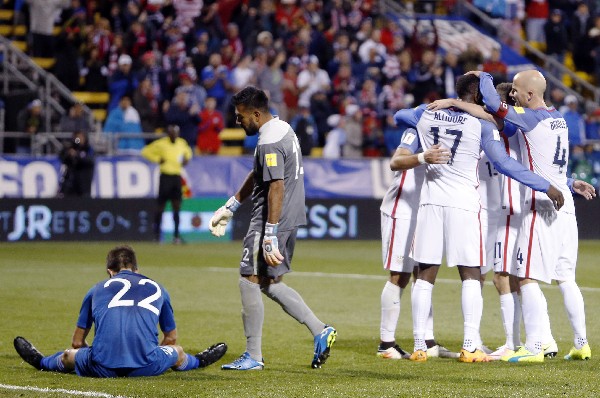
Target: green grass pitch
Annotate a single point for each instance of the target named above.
(42, 284)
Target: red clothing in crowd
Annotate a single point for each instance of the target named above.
(211, 125)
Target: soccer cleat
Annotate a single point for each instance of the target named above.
(28, 352)
(524, 355)
(323, 343)
(244, 362)
(475, 356)
(584, 352)
(501, 352)
(550, 349)
(440, 351)
(418, 356)
(212, 354)
(394, 352)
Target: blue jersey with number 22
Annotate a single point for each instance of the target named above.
(125, 310)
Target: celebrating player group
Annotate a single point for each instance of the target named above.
(481, 180)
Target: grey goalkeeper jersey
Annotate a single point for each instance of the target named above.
(278, 157)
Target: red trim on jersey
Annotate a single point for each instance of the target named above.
(481, 264)
(509, 183)
(506, 234)
(391, 245)
(528, 263)
(502, 110)
(530, 168)
(398, 194)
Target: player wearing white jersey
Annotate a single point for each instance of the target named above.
(398, 218)
(448, 218)
(547, 241)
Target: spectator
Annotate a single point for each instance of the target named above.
(372, 47)
(125, 119)
(271, 81)
(289, 86)
(94, 73)
(451, 72)
(470, 59)
(592, 128)
(581, 24)
(575, 121)
(557, 40)
(196, 94)
(537, 15)
(123, 82)
(243, 74)
(42, 14)
(216, 78)
(69, 41)
(335, 139)
(184, 114)
(151, 70)
(145, 102)
(392, 134)
(77, 157)
(200, 53)
(427, 78)
(496, 67)
(306, 130)
(75, 120)
(353, 148)
(311, 80)
(321, 109)
(187, 11)
(30, 120)
(211, 124)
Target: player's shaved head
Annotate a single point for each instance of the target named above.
(531, 80)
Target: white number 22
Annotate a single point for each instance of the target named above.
(145, 303)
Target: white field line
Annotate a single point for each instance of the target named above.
(60, 391)
(377, 277)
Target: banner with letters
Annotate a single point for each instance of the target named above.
(73, 219)
(206, 176)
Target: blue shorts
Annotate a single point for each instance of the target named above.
(166, 357)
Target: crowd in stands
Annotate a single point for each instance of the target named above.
(180, 61)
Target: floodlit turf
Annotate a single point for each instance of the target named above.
(42, 284)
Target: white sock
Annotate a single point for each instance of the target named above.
(390, 311)
(517, 316)
(429, 327)
(507, 311)
(472, 308)
(533, 314)
(547, 337)
(421, 306)
(575, 310)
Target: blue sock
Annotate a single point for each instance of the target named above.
(53, 362)
(189, 363)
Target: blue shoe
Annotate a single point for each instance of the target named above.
(244, 362)
(323, 343)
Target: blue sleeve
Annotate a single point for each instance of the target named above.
(523, 118)
(86, 319)
(410, 140)
(570, 182)
(166, 319)
(496, 152)
(509, 129)
(409, 117)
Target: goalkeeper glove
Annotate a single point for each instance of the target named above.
(219, 220)
(270, 245)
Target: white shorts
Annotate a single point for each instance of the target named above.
(547, 246)
(396, 238)
(506, 244)
(446, 230)
(489, 228)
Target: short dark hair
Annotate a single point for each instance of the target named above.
(468, 86)
(503, 90)
(121, 257)
(251, 97)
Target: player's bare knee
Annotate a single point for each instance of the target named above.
(68, 359)
(502, 283)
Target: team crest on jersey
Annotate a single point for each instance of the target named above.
(518, 109)
(271, 159)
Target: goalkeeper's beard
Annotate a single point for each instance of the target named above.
(252, 129)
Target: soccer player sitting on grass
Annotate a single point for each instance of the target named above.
(125, 310)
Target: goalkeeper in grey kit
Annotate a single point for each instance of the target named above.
(276, 185)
